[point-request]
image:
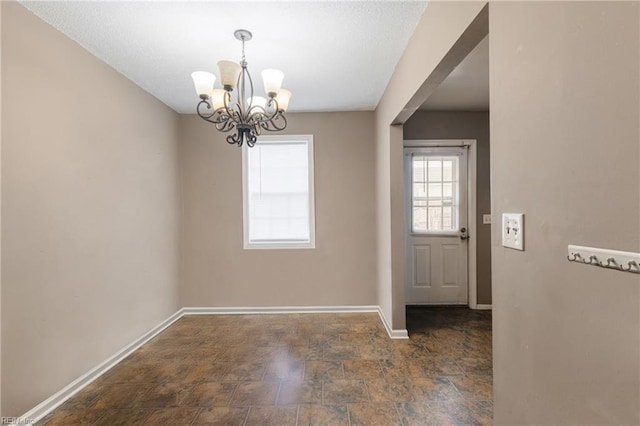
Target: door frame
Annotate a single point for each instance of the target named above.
(472, 159)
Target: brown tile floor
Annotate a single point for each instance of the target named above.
(337, 369)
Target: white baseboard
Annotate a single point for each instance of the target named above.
(394, 334)
(45, 407)
(439, 305)
(484, 307)
(278, 310)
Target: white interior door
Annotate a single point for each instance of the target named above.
(436, 231)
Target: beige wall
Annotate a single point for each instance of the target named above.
(89, 209)
(217, 271)
(565, 152)
(442, 36)
(465, 125)
(90, 199)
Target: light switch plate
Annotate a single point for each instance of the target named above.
(513, 230)
(486, 219)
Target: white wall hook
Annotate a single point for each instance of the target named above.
(618, 260)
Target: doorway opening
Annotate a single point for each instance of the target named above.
(448, 317)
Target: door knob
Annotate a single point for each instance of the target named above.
(463, 234)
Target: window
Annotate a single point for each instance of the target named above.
(277, 175)
(435, 193)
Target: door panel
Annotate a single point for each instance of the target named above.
(422, 265)
(436, 206)
(450, 265)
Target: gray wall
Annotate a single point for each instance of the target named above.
(89, 211)
(217, 271)
(465, 125)
(565, 145)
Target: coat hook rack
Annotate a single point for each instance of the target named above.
(610, 259)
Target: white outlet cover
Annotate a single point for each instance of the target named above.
(486, 219)
(513, 230)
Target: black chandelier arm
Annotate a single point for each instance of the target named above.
(216, 116)
(262, 116)
(205, 115)
(245, 134)
(227, 119)
(236, 115)
(224, 118)
(226, 126)
(252, 138)
(255, 113)
(277, 123)
(261, 113)
(235, 138)
(232, 113)
(220, 117)
(274, 101)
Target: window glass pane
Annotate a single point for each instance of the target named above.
(419, 218)
(435, 186)
(435, 191)
(447, 170)
(447, 190)
(435, 218)
(435, 170)
(419, 171)
(447, 218)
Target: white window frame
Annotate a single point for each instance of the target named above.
(245, 196)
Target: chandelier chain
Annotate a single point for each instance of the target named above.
(244, 60)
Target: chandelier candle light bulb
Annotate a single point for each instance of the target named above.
(217, 99)
(229, 73)
(204, 82)
(272, 81)
(226, 107)
(283, 99)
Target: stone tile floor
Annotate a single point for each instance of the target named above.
(304, 369)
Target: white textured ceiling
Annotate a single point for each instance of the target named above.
(336, 55)
(467, 87)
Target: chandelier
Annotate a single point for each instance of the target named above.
(234, 107)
